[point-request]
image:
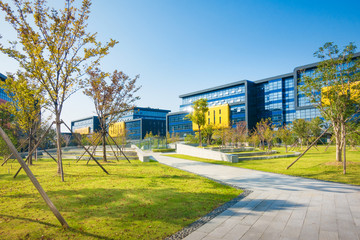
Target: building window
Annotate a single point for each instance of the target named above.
(220, 120)
(219, 111)
(209, 121)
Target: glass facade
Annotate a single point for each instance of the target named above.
(229, 95)
(133, 130)
(269, 101)
(179, 124)
(288, 100)
(3, 96)
(92, 122)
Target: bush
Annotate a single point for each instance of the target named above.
(164, 150)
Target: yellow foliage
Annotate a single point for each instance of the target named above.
(353, 90)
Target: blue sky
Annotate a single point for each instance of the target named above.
(180, 46)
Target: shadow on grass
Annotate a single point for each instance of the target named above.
(55, 226)
(132, 205)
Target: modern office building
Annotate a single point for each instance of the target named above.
(135, 124)
(3, 96)
(140, 121)
(278, 98)
(86, 125)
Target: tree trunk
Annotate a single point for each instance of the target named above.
(58, 145)
(286, 148)
(30, 148)
(200, 140)
(104, 145)
(344, 147)
(338, 142)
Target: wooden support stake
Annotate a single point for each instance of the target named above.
(50, 155)
(119, 148)
(308, 148)
(113, 150)
(16, 148)
(33, 179)
(85, 148)
(88, 149)
(33, 150)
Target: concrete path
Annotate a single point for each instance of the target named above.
(280, 207)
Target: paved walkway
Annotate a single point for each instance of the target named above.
(280, 207)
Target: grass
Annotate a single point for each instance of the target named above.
(314, 164)
(136, 201)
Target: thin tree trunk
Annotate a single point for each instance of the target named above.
(104, 145)
(30, 156)
(344, 148)
(58, 145)
(338, 142)
(200, 140)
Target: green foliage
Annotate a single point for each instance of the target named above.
(164, 150)
(4, 150)
(285, 135)
(191, 139)
(136, 201)
(300, 128)
(334, 88)
(208, 132)
(264, 131)
(200, 107)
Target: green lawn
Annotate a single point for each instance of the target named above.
(314, 164)
(136, 201)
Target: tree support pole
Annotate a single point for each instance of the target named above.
(33, 179)
(33, 150)
(119, 148)
(93, 152)
(113, 150)
(8, 158)
(309, 147)
(88, 149)
(50, 155)
(85, 148)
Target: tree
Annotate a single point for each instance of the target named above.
(300, 128)
(56, 50)
(111, 100)
(25, 105)
(197, 116)
(334, 88)
(240, 133)
(208, 132)
(284, 133)
(264, 130)
(315, 128)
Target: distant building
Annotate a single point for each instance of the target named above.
(140, 121)
(3, 96)
(278, 98)
(86, 125)
(135, 124)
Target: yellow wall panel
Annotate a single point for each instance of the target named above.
(117, 129)
(218, 116)
(85, 130)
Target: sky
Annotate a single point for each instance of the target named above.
(181, 46)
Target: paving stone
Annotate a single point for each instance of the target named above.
(195, 236)
(236, 232)
(328, 235)
(280, 207)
